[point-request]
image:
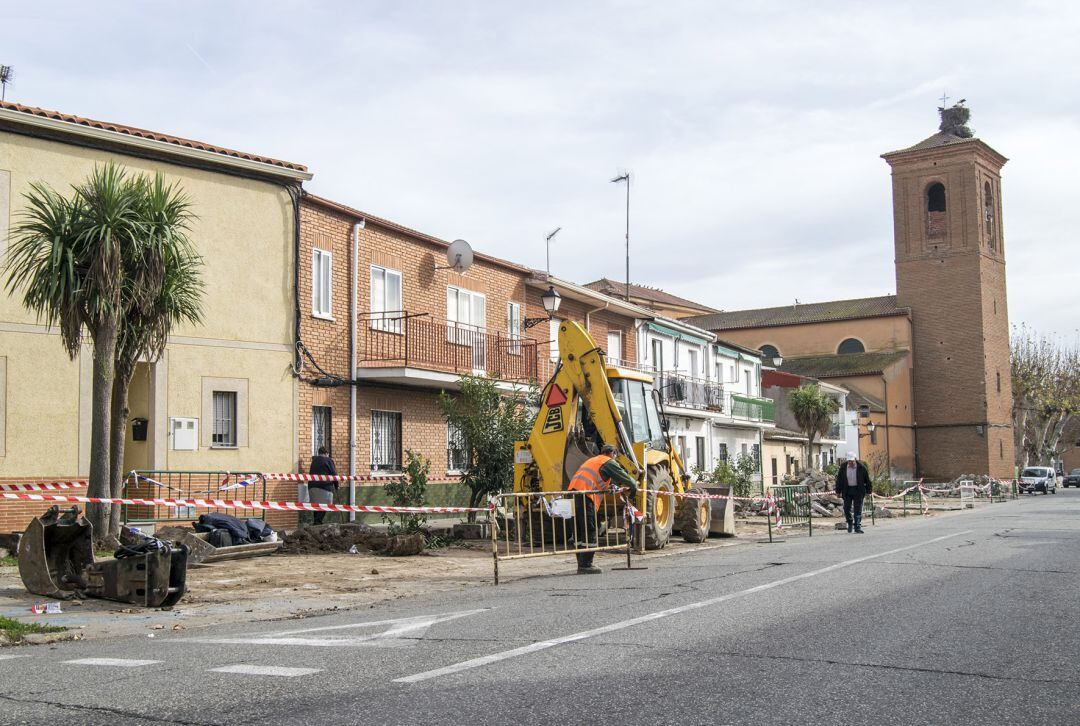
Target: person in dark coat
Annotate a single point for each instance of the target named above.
(853, 484)
(322, 492)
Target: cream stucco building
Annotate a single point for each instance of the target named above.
(223, 396)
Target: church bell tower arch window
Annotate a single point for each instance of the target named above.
(935, 210)
(988, 213)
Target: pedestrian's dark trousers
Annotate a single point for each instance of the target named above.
(584, 528)
(853, 507)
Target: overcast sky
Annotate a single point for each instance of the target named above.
(752, 130)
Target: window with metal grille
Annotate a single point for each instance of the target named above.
(224, 433)
(699, 451)
(722, 452)
(755, 451)
(457, 454)
(385, 441)
(320, 428)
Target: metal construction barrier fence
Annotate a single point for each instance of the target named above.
(189, 485)
(789, 504)
(541, 524)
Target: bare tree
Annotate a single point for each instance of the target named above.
(1046, 396)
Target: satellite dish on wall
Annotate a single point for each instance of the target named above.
(459, 256)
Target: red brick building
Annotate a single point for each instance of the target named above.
(419, 327)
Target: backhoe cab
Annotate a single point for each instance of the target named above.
(587, 404)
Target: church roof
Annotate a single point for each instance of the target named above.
(863, 307)
(834, 366)
(654, 295)
(941, 138)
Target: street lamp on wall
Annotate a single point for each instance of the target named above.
(777, 361)
(551, 300)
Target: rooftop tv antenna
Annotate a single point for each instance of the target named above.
(7, 73)
(459, 257)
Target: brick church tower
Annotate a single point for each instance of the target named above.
(950, 271)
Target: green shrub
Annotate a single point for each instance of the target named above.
(410, 490)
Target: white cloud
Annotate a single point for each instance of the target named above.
(752, 130)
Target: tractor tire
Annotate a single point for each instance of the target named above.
(694, 517)
(660, 508)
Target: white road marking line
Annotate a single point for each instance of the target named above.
(403, 631)
(544, 645)
(257, 670)
(118, 662)
(10, 657)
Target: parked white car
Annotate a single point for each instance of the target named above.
(1038, 479)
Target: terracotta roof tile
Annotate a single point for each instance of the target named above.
(867, 307)
(145, 134)
(618, 289)
(833, 366)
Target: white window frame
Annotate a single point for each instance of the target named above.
(615, 352)
(654, 345)
(513, 327)
(386, 314)
(453, 314)
(322, 283)
(219, 421)
(693, 362)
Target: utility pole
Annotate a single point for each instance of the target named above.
(625, 177)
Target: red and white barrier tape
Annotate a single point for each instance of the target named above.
(347, 477)
(43, 486)
(242, 504)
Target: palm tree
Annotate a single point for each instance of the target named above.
(163, 287)
(66, 259)
(813, 412)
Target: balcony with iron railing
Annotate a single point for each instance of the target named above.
(418, 341)
(678, 389)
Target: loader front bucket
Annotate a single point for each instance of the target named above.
(54, 552)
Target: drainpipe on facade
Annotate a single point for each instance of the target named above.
(352, 361)
(588, 316)
(888, 431)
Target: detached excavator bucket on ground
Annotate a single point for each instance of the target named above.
(54, 551)
(56, 559)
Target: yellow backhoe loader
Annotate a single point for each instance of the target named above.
(588, 403)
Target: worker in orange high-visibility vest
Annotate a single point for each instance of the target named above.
(601, 472)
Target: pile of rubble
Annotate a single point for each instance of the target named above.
(818, 481)
(351, 537)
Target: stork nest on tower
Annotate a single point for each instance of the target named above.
(954, 120)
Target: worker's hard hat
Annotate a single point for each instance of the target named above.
(851, 456)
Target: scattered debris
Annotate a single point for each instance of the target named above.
(46, 608)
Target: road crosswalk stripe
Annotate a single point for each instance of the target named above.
(117, 662)
(260, 670)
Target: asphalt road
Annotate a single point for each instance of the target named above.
(965, 618)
